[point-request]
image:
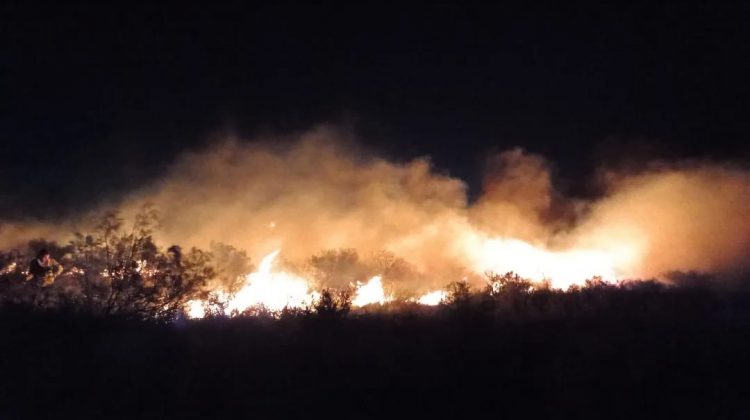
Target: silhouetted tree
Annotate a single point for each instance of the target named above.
(126, 272)
(508, 283)
(458, 293)
(396, 273)
(333, 303)
(338, 268)
(231, 266)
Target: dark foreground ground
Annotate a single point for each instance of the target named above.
(663, 355)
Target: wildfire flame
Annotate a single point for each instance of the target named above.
(560, 268)
(432, 298)
(274, 290)
(370, 293)
(195, 309)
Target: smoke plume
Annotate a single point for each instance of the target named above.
(319, 191)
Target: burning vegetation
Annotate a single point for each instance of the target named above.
(329, 223)
(120, 270)
(340, 277)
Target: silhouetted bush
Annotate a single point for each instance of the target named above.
(338, 268)
(333, 303)
(458, 293)
(629, 350)
(231, 266)
(97, 345)
(115, 271)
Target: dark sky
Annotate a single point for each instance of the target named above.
(96, 99)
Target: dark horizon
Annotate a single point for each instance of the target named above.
(98, 99)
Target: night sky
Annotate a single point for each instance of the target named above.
(97, 99)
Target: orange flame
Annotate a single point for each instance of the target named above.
(371, 293)
(273, 290)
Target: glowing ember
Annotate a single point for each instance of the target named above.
(274, 290)
(370, 292)
(432, 298)
(9, 268)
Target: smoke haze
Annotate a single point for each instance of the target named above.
(320, 191)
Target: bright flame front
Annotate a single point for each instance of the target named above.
(276, 290)
(370, 293)
(273, 290)
(562, 268)
(432, 298)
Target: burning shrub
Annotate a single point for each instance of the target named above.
(121, 272)
(231, 266)
(338, 268)
(458, 294)
(396, 273)
(508, 283)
